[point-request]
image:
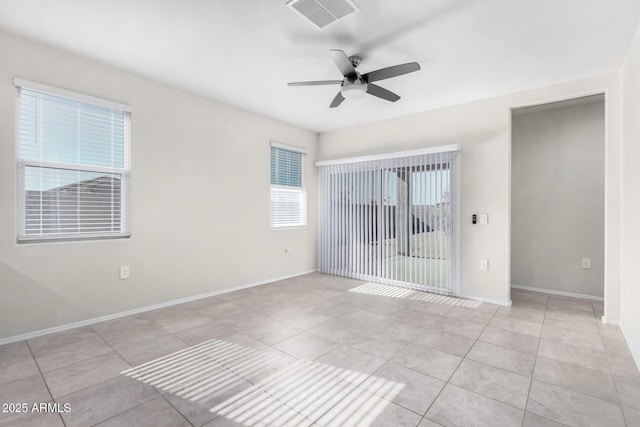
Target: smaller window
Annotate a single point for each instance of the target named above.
(288, 197)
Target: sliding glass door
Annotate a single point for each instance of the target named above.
(391, 221)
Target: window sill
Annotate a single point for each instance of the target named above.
(288, 227)
(62, 239)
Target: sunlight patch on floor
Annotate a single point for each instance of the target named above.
(256, 387)
(379, 289)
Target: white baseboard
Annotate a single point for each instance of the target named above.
(608, 321)
(554, 292)
(94, 320)
(506, 303)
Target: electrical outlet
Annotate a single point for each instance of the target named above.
(483, 219)
(586, 263)
(125, 273)
(484, 264)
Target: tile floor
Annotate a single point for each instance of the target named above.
(328, 351)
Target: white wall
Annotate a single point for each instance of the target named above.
(630, 322)
(181, 174)
(483, 129)
(200, 201)
(557, 196)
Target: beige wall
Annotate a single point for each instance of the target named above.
(483, 128)
(186, 213)
(557, 196)
(630, 321)
(200, 201)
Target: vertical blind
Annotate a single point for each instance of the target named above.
(73, 166)
(287, 189)
(391, 220)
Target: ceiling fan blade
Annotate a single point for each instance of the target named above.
(316, 83)
(387, 73)
(337, 100)
(344, 64)
(381, 92)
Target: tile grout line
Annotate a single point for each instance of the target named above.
(586, 368)
(235, 373)
(91, 358)
(355, 386)
(472, 391)
(43, 380)
(125, 360)
(178, 410)
(161, 394)
(259, 387)
(87, 387)
(535, 361)
(485, 364)
(457, 367)
(124, 412)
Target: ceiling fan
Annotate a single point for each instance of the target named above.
(356, 85)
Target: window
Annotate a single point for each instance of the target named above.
(73, 165)
(287, 186)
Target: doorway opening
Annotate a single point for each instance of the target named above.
(557, 203)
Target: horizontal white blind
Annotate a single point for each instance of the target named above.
(73, 168)
(286, 206)
(287, 189)
(391, 221)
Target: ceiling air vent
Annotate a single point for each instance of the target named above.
(323, 12)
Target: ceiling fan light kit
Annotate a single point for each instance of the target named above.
(354, 89)
(356, 85)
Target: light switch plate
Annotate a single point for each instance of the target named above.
(586, 263)
(484, 264)
(483, 219)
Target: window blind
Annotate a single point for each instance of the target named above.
(73, 166)
(287, 189)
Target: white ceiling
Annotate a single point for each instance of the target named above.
(243, 52)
